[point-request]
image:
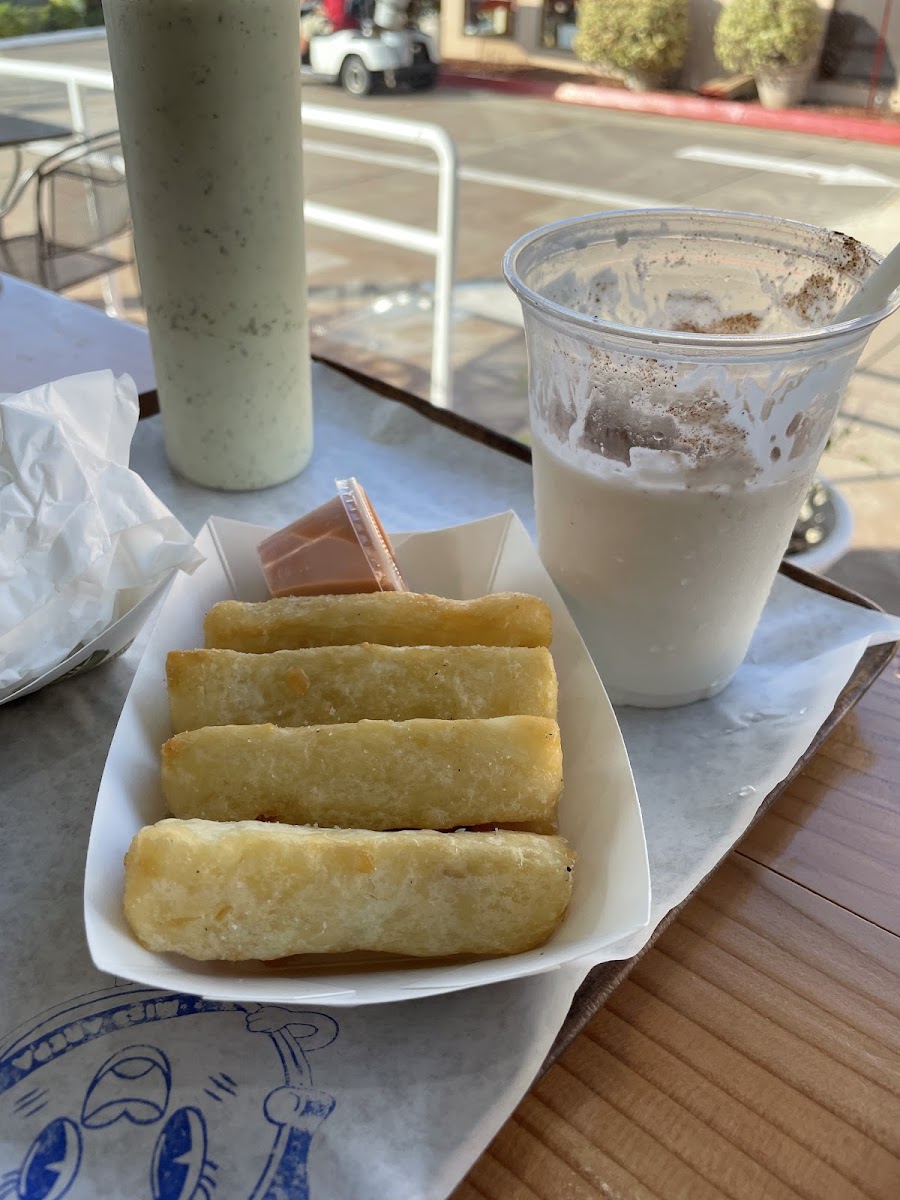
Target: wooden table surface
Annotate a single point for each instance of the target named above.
(754, 1052)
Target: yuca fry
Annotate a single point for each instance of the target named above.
(418, 774)
(388, 618)
(330, 685)
(250, 890)
(549, 825)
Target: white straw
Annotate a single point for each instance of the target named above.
(875, 291)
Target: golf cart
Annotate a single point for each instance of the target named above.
(382, 50)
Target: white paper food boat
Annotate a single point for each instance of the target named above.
(114, 639)
(599, 814)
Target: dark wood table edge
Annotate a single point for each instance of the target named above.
(149, 407)
(602, 981)
(39, 131)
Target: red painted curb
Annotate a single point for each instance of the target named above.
(691, 108)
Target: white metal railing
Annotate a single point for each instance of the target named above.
(439, 242)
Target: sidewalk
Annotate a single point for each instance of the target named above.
(588, 91)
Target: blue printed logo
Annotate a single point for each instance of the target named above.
(208, 1093)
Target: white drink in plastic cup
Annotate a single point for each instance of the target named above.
(683, 379)
(208, 96)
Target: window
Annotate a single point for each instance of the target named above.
(559, 25)
(489, 18)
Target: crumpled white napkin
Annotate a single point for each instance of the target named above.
(82, 537)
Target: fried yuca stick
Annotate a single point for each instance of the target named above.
(389, 618)
(419, 774)
(251, 890)
(329, 685)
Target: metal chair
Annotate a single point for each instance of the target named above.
(80, 206)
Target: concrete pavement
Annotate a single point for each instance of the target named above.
(370, 302)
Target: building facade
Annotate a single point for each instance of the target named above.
(520, 32)
(860, 43)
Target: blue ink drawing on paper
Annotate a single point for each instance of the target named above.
(132, 1092)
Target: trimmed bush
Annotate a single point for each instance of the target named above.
(17, 20)
(633, 35)
(754, 34)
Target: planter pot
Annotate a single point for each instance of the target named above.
(783, 87)
(823, 531)
(637, 80)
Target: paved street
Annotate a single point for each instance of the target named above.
(526, 162)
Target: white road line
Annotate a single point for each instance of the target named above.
(565, 191)
(379, 158)
(807, 168)
(519, 183)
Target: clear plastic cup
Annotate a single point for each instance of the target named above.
(338, 548)
(684, 373)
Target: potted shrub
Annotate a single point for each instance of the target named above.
(776, 40)
(645, 40)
